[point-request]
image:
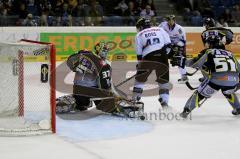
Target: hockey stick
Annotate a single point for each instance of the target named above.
(189, 86)
(200, 104)
(191, 74)
(100, 98)
(119, 84)
(126, 80)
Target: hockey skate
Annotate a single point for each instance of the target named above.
(130, 109)
(185, 113)
(236, 112)
(164, 105)
(183, 79)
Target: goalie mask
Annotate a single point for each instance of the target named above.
(143, 23)
(101, 49)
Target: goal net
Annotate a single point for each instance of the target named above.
(27, 88)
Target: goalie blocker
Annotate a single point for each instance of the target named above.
(93, 81)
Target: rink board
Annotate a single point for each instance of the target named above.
(121, 39)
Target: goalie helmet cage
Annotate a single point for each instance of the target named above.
(27, 88)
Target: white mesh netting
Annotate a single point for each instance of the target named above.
(25, 89)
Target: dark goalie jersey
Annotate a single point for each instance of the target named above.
(219, 66)
(91, 70)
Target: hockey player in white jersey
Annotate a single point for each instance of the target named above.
(178, 39)
(222, 73)
(152, 48)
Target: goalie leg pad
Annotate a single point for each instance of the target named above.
(65, 104)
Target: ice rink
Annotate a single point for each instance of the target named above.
(211, 132)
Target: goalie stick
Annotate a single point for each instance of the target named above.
(100, 98)
(115, 87)
(126, 80)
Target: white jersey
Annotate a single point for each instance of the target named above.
(177, 33)
(150, 39)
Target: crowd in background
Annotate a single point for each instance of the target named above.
(225, 12)
(112, 12)
(73, 12)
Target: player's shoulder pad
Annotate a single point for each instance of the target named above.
(162, 24)
(179, 28)
(205, 51)
(228, 51)
(146, 30)
(85, 51)
(107, 62)
(209, 51)
(162, 30)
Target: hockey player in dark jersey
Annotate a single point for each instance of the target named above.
(221, 71)
(93, 83)
(226, 35)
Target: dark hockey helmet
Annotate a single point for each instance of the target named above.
(101, 49)
(213, 39)
(170, 17)
(143, 23)
(209, 22)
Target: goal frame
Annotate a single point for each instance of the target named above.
(52, 82)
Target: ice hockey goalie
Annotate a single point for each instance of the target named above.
(93, 84)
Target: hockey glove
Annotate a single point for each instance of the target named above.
(176, 51)
(178, 61)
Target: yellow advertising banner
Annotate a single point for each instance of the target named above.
(122, 44)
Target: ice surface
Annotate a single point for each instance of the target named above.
(212, 133)
(95, 129)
